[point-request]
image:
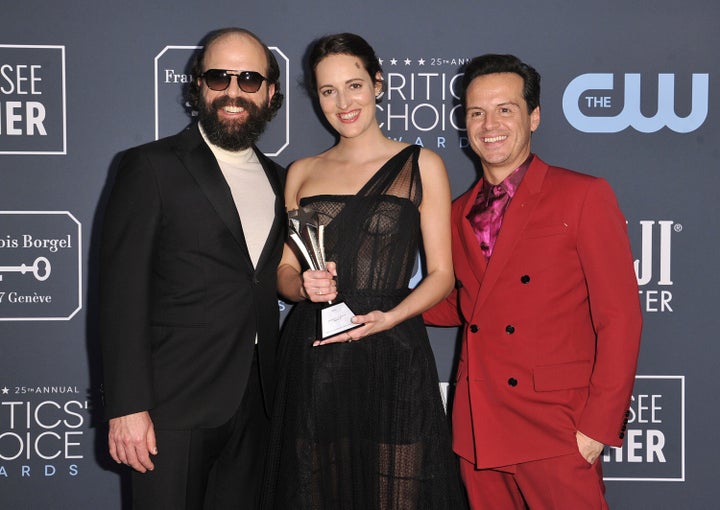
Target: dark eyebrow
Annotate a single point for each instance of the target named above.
(351, 80)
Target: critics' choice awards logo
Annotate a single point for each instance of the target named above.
(653, 267)
(42, 431)
(171, 78)
(421, 101)
(32, 99)
(654, 445)
(40, 265)
(593, 103)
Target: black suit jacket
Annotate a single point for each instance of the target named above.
(181, 302)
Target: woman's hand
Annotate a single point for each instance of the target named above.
(320, 286)
(371, 323)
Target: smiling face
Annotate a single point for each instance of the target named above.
(232, 118)
(499, 126)
(347, 94)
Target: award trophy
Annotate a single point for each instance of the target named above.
(307, 233)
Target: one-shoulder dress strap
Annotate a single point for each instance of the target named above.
(399, 176)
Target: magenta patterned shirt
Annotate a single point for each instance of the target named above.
(488, 210)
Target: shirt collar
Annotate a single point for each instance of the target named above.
(511, 182)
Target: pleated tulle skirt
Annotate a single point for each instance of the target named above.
(360, 426)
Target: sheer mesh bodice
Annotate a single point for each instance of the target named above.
(375, 233)
(360, 426)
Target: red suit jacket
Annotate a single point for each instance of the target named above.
(551, 325)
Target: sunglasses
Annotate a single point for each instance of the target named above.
(219, 79)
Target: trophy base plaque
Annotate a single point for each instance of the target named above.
(335, 319)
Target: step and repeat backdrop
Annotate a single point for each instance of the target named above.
(629, 93)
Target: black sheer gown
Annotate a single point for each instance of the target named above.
(360, 426)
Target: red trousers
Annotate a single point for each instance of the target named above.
(566, 482)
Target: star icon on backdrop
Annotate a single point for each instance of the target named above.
(404, 61)
(5, 390)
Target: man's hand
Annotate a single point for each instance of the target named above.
(131, 440)
(588, 447)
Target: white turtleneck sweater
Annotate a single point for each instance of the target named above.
(251, 192)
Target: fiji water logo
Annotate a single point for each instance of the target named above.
(653, 267)
(591, 110)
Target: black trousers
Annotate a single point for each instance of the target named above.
(211, 468)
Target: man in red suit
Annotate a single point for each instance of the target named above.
(548, 301)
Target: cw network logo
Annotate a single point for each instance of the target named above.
(590, 109)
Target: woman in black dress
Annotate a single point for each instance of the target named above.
(360, 423)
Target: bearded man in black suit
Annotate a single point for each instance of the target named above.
(192, 237)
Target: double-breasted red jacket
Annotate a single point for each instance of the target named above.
(551, 325)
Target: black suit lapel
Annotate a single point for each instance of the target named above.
(200, 162)
(278, 230)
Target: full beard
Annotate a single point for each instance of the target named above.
(233, 136)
